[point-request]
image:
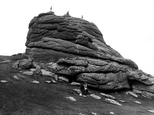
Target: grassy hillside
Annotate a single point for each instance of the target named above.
(22, 97)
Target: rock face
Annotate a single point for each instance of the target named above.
(75, 48)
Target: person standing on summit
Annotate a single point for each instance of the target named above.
(51, 9)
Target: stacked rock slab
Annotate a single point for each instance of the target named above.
(78, 51)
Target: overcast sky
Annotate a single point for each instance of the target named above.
(127, 25)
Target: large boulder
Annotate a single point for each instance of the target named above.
(75, 48)
(24, 64)
(66, 36)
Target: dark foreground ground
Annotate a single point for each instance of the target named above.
(22, 97)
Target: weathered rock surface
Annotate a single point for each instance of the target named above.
(24, 64)
(69, 37)
(75, 48)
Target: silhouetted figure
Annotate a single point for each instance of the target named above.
(51, 8)
(84, 89)
(82, 16)
(67, 14)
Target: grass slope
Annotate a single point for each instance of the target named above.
(22, 97)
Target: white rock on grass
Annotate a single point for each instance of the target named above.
(3, 81)
(82, 114)
(77, 91)
(48, 73)
(132, 94)
(32, 69)
(48, 82)
(36, 82)
(75, 84)
(112, 113)
(16, 77)
(113, 102)
(95, 96)
(137, 91)
(137, 102)
(93, 113)
(122, 101)
(63, 79)
(71, 98)
(28, 73)
(53, 81)
(151, 111)
(107, 95)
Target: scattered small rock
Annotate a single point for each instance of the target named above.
(113, 101)
(81, 114)
(148, 95)
(63, 79)
(3, 81)
(71, 98)
(82, 95)
(6, 61)
(137, 91)
(48, 82)
(23, 64)
(28, 72)
(4, 106)
(75, 84)
(122, 101)
(151, 111)
(108, 96)
(132, 94)
(16, 77)
(52, 65)
(95, 96)
(32, 69)
(93, 113)
(35, 82)
(77, 91)
(53, 81)
(46, 73)
(137, 102)
(112, 113)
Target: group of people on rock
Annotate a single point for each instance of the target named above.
(67, 14)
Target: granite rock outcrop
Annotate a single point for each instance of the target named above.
(75, 48)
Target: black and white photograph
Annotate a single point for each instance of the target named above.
(77, 57)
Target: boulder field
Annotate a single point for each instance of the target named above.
(75, 48)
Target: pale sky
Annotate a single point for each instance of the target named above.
(127, 25)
